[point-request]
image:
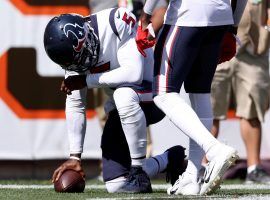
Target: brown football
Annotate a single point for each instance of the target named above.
(70, 181)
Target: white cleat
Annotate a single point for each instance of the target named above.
(216, 168)
(184, 186)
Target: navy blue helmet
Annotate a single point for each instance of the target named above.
(70, 41)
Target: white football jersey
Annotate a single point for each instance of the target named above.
(113, 32)
(199, 13)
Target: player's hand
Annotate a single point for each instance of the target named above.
(145, 38)
(228, 47)
(69, 164)
(71, 83)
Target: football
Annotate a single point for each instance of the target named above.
(70, 181)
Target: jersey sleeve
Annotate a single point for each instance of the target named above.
(123, 23)
(76, 118)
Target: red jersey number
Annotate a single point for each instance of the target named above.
(129, 20)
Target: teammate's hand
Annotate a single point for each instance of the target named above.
(145, 38)
(71, 83)
(228, 47)
(69, 164)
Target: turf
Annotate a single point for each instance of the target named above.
(48, 193)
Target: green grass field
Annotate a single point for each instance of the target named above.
(43, 190)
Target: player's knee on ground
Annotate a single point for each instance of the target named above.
(115, 152)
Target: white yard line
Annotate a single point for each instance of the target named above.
(130, 198)
(154, 186)
(244, 197)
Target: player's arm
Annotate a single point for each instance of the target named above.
(76, 120)
(76, 127)
(147, 12)
(129, 72)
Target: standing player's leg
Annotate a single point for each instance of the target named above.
(167, 86)
(175, 55)
(198, 83)
(221, 90)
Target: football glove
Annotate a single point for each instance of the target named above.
(71, 83)
(142, 38)
(228, 47)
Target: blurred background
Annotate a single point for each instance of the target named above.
(33, 138)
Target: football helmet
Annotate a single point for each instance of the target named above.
(71, 42)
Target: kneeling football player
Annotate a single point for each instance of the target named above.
(100, 51)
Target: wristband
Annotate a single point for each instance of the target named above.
(74, 158)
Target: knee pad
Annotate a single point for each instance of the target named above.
(126, 101)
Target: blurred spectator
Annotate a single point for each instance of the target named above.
(246, 77)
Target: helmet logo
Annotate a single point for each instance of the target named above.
(78, 32)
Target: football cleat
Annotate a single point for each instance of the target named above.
(216, 168)
(184, 186)
(176, 163)
(137, 181)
